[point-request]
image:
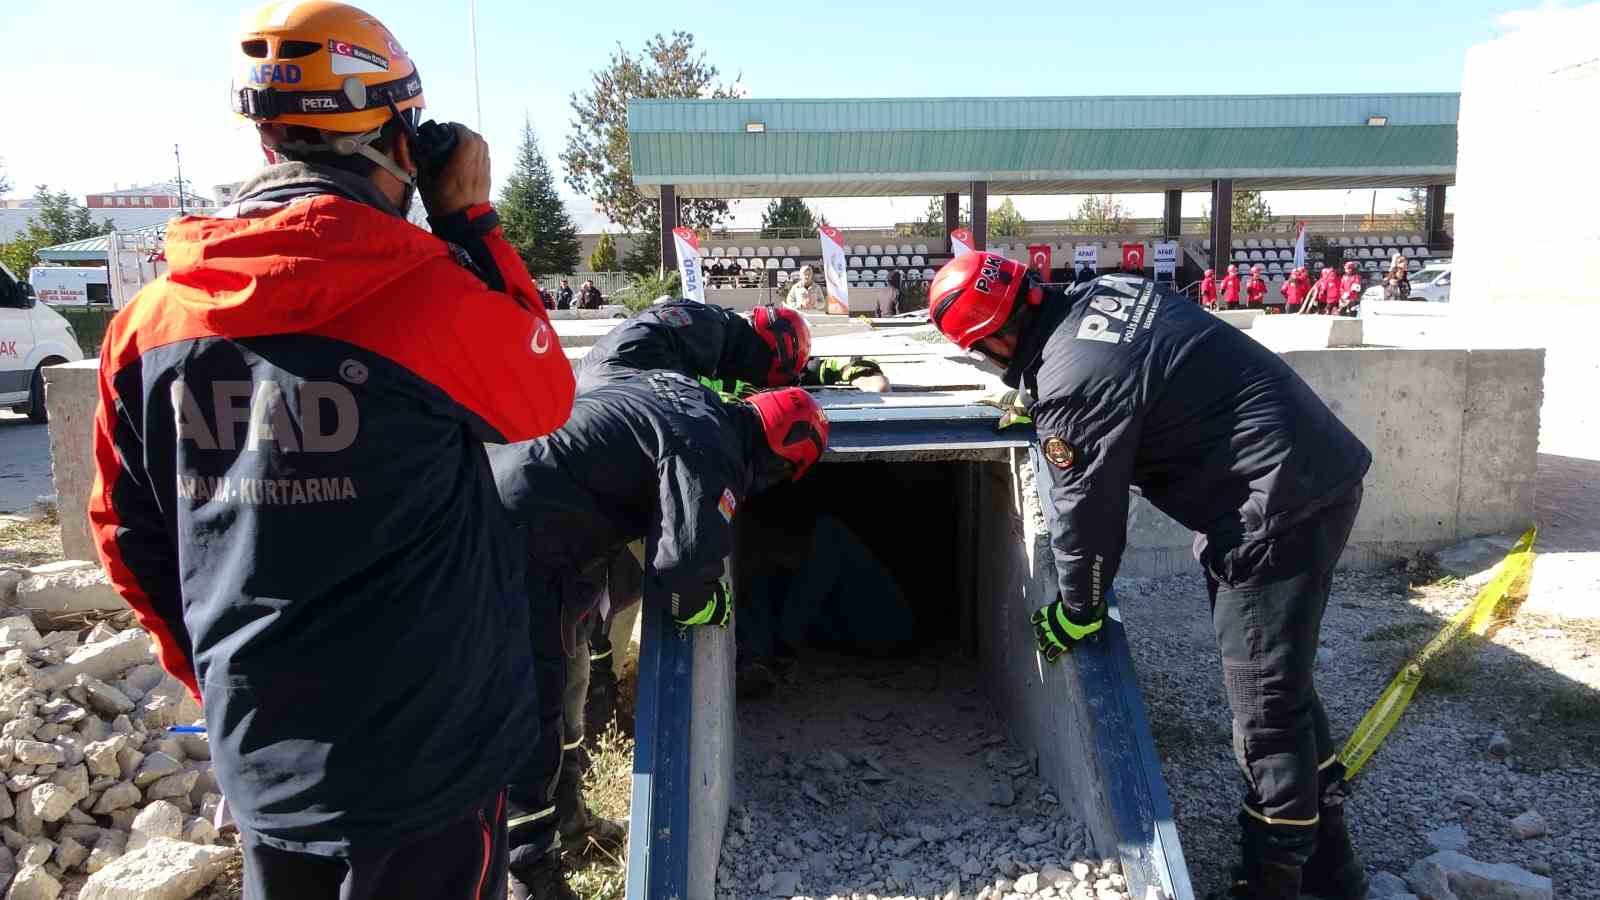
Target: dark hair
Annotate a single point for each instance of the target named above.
(894, 278)
(355, 163)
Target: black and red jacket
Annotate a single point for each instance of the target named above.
(697, 339)
(293, 495)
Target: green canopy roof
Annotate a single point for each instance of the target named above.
(1040, 145)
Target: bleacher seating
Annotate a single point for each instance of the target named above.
(875, 249)
(763, 251)
(855, 262)
(783, 277)
(923, 249)
(902, 261)
(747, 252)
(871, 261)
(788, 262)
(791, 251)
(927, 274)
(918, 261)
(716, 252)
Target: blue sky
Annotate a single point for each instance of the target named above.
(96, 92)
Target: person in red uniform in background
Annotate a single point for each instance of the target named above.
(1255, 290)
(1230, 288)
(1208, 289)
(1324, 294)
(1295, 288)
(1350, 287)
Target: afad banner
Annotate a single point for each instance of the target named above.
(961, 242)
(1133, 257)
(1039, 259)
(694, 286)
(1166, 260)
(833, 270)
(1086, 255)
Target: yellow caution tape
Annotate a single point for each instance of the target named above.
(1493, 604)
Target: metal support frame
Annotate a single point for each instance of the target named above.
(669, 221)
(952, 219)
(1221, 223)
(1433, 215)
(1172, 215)
(980, 215)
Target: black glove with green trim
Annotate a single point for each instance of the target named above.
(710, 605)
(731, 390)
(1057, 627)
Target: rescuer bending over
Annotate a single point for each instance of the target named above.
(1136, 387)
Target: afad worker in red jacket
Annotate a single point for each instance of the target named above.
(1230, 288)
(1350, 287)
(292, 490)
(1208, 289)
(1324, 296)
(1294, 289)
(1255, 290)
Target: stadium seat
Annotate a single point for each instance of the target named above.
(1414, 265)
(1255, 256)
(783, 277)
(902, 261)
(1241, 256)
(855, 262)
(1343, 241)
(851, 275)
(1251, 243)
(791, 251)
(871, 262)
(1372, 266)
(919, 261)
(927, 274)
(1283, 244)
(716, 252)
(747, 252)
(788, 262)
(923, 249)
(763, 251)
(875, 250)
(883, 275)
(1274, 268)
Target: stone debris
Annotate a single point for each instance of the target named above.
(90, 770)
(1450, 837)
(1449, 875)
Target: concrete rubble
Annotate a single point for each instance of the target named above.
(95, 783)
(1448, 875)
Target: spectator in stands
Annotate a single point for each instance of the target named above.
(805, 293)
(1208, 289)
(564, 295)
(1350, 287)
(1085, 273)
(1397, 284)
(546, 298)
(719, 272)
(589, 296)
(1295, 288)
(889, 303)
(1255, 290)
(1230, 288)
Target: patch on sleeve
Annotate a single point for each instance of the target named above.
(727, 505)
(676, 316)
(1058, 452)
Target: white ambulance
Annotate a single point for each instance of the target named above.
(32, 336)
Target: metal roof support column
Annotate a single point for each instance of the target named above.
(669, 221)
(980, 215)
(1172, 215)
(952, 219)
(1433, 215)
(1221, 222)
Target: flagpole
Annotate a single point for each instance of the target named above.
(477, 93)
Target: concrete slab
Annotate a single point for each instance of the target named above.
(1242, 319)
(72, 393)
(1285, 333)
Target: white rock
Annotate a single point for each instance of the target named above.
(67, 587)
(37, 853)
(34, 883)
(103, 698)
(156, 766)
(200, 831)
(101, 756)
(1027, 884)
(51, 801)
(172, 786)
(119, 796)
(1449, 875)
(1499, 745)
(158, 820)
(100, 632)
(162, 870)
(103, 660)
(38, 753)
(1081, 870)
(1529, 825)
(111, 845)
(7, 809)
(70, 854)
(167, 704)
(18, 631)
(1450, 837)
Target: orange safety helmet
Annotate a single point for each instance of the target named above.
(324, 65)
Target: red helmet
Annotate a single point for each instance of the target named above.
(1351, 267)
(1211, 273)
(1256, 270)
(973, 296)
(788, 336)
(1233, 269)
(1300, 271)
(794, 424)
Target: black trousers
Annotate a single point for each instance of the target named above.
(1267, 601)
(465, 859)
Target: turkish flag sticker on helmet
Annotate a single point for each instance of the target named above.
(350, 59)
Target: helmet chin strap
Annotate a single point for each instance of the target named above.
(360, 145)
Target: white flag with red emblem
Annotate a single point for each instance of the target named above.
(694, 286)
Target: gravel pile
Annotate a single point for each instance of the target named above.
(1498, 756)
(891, 780)
(96, 784)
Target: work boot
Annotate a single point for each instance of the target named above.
(1334, 871)
(544, 880)
(1257, 877)
(600, 838)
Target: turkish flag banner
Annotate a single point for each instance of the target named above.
(1133, 257)
(1039, 259)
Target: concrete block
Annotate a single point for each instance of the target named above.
(71, 394)
(1285, 333)
(69, 586)
(104, 660)
(1242, 319)
(1499, 439)
(1374, 309)
(713, 730)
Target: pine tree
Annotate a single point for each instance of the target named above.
(1005, 221)
(535, 219)
(787, 213)
(1099, 214)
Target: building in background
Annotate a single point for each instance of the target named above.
(155, 196)
(226, 192)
